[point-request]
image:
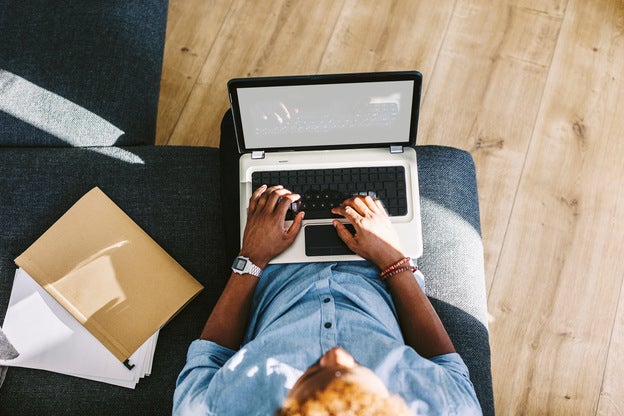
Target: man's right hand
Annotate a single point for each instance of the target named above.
(375, 238)
(265, 233)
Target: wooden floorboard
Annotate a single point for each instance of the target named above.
(375, 37)
(611, 401)
(492, 67)
(192, 30)
(533, 89)
(272, 37)
(557, 284)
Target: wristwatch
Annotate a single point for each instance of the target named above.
(242, 265)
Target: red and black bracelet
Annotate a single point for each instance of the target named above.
(397, 268)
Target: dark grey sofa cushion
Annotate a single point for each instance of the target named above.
(174, 193)
(64, 64)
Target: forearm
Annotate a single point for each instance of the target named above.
(376, 240)
(420, 324)
(265, 237)
(228, 320)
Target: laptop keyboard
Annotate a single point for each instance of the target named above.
(323, 189)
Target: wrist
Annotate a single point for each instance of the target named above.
(254, 258)
(243, 265)
(403, 265)
(388, 259)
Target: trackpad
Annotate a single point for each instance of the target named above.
(323, 240)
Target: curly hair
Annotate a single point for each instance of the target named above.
(346, 399)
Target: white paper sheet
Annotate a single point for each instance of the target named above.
(50, 338)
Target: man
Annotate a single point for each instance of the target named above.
(323, 338)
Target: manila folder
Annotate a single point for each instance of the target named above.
(109, 274)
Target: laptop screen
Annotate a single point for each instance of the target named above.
(339, 111)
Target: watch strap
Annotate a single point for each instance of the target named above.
(243, 265)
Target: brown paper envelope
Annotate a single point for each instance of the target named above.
(109, 274)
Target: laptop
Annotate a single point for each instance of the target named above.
(327, 138)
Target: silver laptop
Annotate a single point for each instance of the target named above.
(329, 137)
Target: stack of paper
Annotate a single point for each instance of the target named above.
(48, 337)
(91, 295)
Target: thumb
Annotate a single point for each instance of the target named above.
(295, 227)
(344, 234)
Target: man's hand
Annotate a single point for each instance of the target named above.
(265, 234)
(374, 238)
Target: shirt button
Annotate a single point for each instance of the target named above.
(328, 325)
(327, 300)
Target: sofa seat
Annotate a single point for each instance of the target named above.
(175, 195)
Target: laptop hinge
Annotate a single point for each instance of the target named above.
(258, 154)
(396, 149)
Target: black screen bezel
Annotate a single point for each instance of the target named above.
(238, 83)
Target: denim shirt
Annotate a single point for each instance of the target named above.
(299, 312)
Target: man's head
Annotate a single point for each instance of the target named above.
(335, 385)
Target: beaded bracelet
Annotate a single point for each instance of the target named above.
(398, 270)
(395, 265)
(390, 271)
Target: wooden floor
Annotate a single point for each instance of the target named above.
(533, 89)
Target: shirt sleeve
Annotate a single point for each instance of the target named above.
(458, 371)
(203, 360)
(453, 363)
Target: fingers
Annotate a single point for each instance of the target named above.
(295, 227)
(363, 205)
(344, 234)
(265, 196)
(259, 197)
(285, 202)
(348, 212)
(253, 201)
(273, 200)
(274, 197)
(359, 207)
(381, 207)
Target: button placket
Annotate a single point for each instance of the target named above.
(328, 315)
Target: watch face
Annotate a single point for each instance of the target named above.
(239, 263)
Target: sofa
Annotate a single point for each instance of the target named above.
(79, 85)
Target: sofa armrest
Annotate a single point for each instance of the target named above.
(452, 261)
